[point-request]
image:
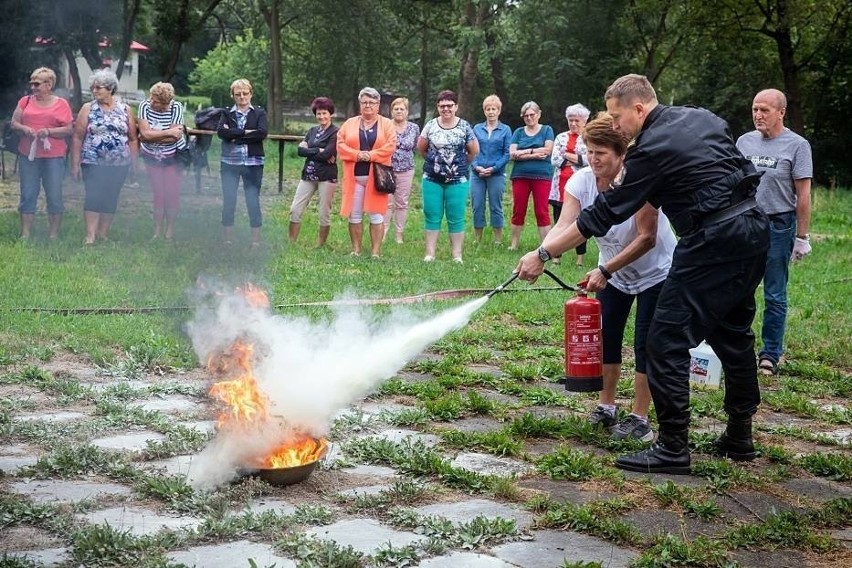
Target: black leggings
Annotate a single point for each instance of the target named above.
(615, 309)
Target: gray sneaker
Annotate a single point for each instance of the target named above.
(633, 427)
(603, 417)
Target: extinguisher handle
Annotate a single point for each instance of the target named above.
(560, 282)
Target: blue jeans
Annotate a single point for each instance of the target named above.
(782, 234)
(47, 172)
(252, 176)
(491, 187)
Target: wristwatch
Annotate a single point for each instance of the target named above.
(806, 236)
(543, 254)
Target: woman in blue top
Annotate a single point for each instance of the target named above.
(448, 145)
(488, 179)
(530, 149)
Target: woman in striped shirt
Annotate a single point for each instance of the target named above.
(161, 132)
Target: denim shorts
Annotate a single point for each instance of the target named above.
(47, 172)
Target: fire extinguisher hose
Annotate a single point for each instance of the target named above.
(561, 283)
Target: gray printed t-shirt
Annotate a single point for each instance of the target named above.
(785, 158)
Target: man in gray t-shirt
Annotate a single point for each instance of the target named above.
(784, 194)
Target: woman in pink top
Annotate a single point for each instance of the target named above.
(44, 121)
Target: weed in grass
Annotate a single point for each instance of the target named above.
(72, 461)
(307, 514)
(837, 467)
(670, 551)
(500, 443)
(407, 417)
(478, 404)
(786, 400)
(7, 561)
(16, 511)
(180, 440)
(668, 493)
(575, 465)
(596, 518)
(532, 426)
(482, 531)
(581, 564)
(312, 552)
(707, 403)
(406, 491)
(776, 454)
(349, 423)
(102, 545)
(783, 530)
(704, 509)
(393, 557)
(446, 408)
(723, 475)
(542, 396)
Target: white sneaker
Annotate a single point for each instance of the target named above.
(458, 260)
(428, 258)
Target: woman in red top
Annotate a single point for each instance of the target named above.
(44, 121)
(569, 155)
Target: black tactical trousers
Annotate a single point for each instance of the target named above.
(713, 302)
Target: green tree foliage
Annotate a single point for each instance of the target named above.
(245, 57)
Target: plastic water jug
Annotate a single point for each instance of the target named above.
(705, 369)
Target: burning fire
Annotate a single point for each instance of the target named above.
(246, 406)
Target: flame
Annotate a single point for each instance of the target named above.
(300, 451)
(246, 406)
(254, 295)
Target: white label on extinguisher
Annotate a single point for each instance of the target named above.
(584, 347)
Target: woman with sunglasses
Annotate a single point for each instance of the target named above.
(104, 148)
(44, 121)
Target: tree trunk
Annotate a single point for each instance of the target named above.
(184, 28)
(271, 13)
(425, 104)
(500, 88)
(789, 69)
(77, 95)
(474, 15)
(130, 13)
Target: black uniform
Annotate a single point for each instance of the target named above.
(685, 162)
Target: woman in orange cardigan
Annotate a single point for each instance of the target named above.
(362, 140)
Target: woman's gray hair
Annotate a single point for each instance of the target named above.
(105, 78)
(370, 93)
(577, 110)
(530, 105)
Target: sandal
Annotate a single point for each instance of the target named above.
(767, 367)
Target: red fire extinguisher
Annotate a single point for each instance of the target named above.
(583, 347)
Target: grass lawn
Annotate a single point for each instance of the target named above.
(499, 368)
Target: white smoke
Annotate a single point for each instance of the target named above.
(310, 371)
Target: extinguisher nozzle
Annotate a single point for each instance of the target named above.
(502, 286)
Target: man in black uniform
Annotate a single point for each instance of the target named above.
(684, 161)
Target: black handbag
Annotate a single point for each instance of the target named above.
(383, 178)
(186, 156)
(12, 137)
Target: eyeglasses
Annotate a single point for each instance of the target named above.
(242, 94)
(368, 103)
(450, 105)
(36, 83)
(529, 115)
(97, 87)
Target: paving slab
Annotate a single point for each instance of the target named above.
(553, 548)
(138, 521)
(378, 409)
(364, 535)
(129, 441)
(398, 435)
(11, 464)
(176, 465)
(465, 511)
(48, 557)
(263, 505)
(663, 478)
(842, 435)
(651, 523)
(474, 424)
(52, 417)
(491, 465)
(365, 491)
(371, 470)
(484, 369)
(66, 491)
(752, 506)
(562, 491)
(817, 489)
(465, 560)
(135, 384)
(203, 426)
(168, 404)
(770, 558)
(844, 536)
(230, 555)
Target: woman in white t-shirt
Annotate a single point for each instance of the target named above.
(633, 262)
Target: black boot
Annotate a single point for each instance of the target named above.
(735, 442)
(669, 454)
